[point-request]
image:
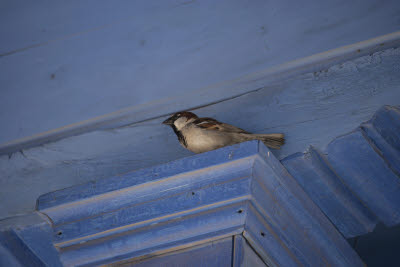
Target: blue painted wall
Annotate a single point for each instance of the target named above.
(63, 62)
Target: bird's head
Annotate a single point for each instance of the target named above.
(180, 119)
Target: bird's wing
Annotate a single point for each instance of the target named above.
(213, 124)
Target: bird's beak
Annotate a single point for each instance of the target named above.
(168, 121)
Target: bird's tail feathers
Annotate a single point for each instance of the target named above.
(271, 140)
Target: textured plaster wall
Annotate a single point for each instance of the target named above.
(62, 62)
(310, 109)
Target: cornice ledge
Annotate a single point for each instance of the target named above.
(241, 189)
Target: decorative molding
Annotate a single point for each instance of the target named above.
(355, 181)
(241, 189)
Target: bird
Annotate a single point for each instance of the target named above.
(205, 134)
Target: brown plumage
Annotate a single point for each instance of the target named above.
(204, 134)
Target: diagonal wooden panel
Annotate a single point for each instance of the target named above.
(312, 239)
(325, 188)
(244, 255)
(356, 184)
(27, 241)
(383, 133)
(367, 175)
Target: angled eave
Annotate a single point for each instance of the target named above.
(242, 189)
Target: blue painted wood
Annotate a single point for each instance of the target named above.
(291, 208)
(250, 257)
(238, 250)
(304, 108)
(149, 46)
(180, 202)
(242, 189)
(244, 255)
(383, 133)
(283, 225)
(266, 241)
(326, 189)
(366, 162)
(216, 253)
(387, 122)
(233, 190)
(7, 258)
(387, 152)
(152, 174)
(157, 238)
(367, 174)
(27, 241)
(20, 250)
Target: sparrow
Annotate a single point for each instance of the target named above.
(204, 134)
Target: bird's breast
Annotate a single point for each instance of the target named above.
(199, 140)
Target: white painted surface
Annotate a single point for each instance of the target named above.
(63, 62)
(310, 109)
